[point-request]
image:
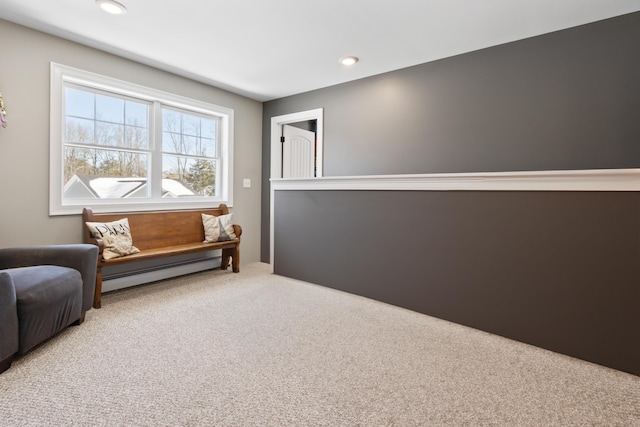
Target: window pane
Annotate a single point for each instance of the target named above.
(109, 109)
(188, 177)
(171, 121)
(136, 137)
(209, 128)
(104, 174)
(208, 147)
(79, 103)
(110, 134)
(189, 134)
(79, 130)
(191, 145)
(136, 114)
(171, 142)
(190, 125)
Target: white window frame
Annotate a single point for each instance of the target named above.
(61, 74)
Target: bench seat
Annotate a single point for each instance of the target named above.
(166, 251)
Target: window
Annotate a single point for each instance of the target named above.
(118, 146)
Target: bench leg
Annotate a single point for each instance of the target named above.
(234, 254)
(226, 254)
(235, 260)
(97, 296)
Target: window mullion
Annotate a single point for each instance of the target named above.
(155, 130)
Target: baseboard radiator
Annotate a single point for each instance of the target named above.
(112, 282)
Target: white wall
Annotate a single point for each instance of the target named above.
(25, 57)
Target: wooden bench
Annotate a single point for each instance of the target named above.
(161, 234)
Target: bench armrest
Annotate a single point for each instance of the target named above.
(99, 243)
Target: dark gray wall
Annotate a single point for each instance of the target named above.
(564, 100)
(559, 270)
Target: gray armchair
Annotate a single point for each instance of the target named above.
(43, 289)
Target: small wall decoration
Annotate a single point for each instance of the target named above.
(3, 113)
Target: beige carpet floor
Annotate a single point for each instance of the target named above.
(255, 349)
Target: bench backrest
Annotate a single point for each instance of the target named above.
(157, 229)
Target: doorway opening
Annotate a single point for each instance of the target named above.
(297, 145)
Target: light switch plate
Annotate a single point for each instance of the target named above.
(246, 183)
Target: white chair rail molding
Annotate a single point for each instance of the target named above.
(559, 180)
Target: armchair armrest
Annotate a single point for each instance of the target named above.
(82, 257)
(8, 321)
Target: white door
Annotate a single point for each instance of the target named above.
(298, 152)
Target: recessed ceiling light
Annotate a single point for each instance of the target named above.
(349, 60)
(112, 6)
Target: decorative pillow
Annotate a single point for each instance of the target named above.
(116, 236)
(218, 228)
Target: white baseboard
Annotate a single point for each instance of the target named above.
(135, 279)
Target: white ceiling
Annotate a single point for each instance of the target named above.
(268, 49)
